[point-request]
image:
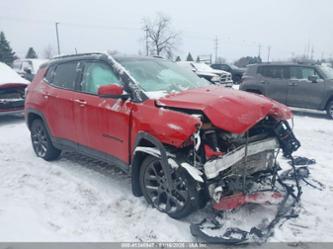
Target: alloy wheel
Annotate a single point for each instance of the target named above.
(162, 196)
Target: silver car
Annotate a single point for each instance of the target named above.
(296, 85)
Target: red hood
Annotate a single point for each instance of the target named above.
(232, 110)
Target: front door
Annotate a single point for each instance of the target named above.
(102, 123)
(302, 92)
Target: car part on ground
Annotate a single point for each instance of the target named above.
(212, 230)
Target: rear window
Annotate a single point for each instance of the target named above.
(275, 72)
(64, 75)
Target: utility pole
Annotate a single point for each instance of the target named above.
(268, 52)
(57, 33)
(216, 48)
(147, 45)
(259, 50)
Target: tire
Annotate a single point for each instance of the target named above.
(41, 141)
(329, 109)
(178, 203)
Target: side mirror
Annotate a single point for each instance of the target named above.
(112, 91)
(313, 78)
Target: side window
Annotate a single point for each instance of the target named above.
(302, 73)
(64, 75)
(97, 74)
(275, 72)
(49, 74)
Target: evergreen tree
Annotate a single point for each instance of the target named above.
(6, 53)
(31, 54)
(178, 58)
(198, 59)
(189, 57)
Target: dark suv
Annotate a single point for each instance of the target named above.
(296, 85)
(179, 137)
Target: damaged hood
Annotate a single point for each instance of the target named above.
(231, 110)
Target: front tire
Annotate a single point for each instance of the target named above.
(41, 141)
(329, 110)
(177, 203)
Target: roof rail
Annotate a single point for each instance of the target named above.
(74, 55)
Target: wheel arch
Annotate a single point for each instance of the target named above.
(33, 114)
(145, 140)
(328, 101)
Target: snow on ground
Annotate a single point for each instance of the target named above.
(80, 199)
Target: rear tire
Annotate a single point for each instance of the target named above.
(177, 203)
(329, 109)
(41, 141)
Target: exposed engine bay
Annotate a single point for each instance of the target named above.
(235, 169)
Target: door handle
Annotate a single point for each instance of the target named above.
(263, 82)
(81, 102)
(293, 84)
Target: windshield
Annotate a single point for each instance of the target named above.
(157, 75)
(328, 71)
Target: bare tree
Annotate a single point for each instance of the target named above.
(161, 39)
(48, 52)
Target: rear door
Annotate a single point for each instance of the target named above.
(274, 82)
(303, 92)
(60, 100)
(102, 123)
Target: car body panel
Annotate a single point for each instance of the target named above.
(228, 109)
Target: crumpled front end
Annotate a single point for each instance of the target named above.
(228, 165)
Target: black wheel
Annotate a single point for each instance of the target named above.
(329, 110)
(177, 203)
(41, 142)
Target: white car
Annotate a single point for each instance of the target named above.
(27, 68)
(205, 71)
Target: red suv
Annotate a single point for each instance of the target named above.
(183, 140)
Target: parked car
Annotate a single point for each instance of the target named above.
(179, 137)
(27, 68)
(235, 71)
(208, 73)
(296, 85)
(12, 91)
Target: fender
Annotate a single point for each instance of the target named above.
(38, 113)
(328, 97)
(157, 149)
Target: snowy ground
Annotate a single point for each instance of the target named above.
(80, 199)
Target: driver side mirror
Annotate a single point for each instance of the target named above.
(313, 78)
(112, 91)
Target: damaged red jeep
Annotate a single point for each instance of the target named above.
(184, 141)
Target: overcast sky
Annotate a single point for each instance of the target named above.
(288, 26)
